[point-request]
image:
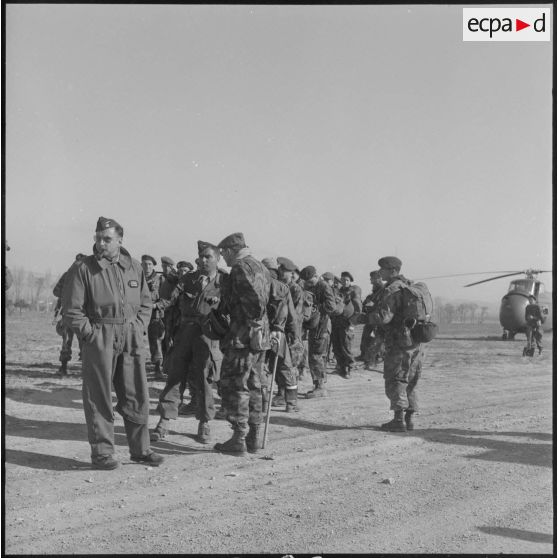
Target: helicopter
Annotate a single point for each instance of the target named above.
(514, 302)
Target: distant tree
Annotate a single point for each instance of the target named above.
(18, 275)
(461, 312)
(473, 310)
(22, 304)
(483, 314)
(9, 306)
(449, 313)
(438, 309)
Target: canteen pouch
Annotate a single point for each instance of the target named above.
(259, 335)
(404, 337)
(423, 332)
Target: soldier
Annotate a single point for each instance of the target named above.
(107, 304)
(8, 279)
(194, 354)
(403, 358)
(66, 333)
(372, 342)
(319, 329)
(245, 297)
(169, 281)
(342, 331)
(284, 319)
(156, 328)
(534, 318)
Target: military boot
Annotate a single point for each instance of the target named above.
(397, 424)
(253, 443)
(160, 431)
(318, 391)
(291, 398)
(279, 399)
(63, 370)
(346, 372)
(236, 445)
(158, 372)
(409, 420)
(204, 432)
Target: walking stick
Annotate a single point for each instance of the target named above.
(268, 414)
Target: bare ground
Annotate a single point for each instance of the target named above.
(475, 477)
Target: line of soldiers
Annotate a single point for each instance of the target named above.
(222, 329)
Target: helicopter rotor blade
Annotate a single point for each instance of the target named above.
(494, 278)
(465, 274)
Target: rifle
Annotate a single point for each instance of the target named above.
(268, 414)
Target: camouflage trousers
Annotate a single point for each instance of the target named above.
(155, 335)
(66, 349)
(317, 354)
(342, 336)
(402, 370)
(242, 376)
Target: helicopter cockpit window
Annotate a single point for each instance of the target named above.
(523, 286)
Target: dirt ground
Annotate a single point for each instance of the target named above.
(475, 477)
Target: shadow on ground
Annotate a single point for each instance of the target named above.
(43, 461)
(525, 453)
(530, 536)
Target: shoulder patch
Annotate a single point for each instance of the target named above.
(133, 283)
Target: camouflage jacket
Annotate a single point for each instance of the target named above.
(297, 296)
(388, 310)
(199, 295)
(324, 299)
(154, 284)
(245, 296)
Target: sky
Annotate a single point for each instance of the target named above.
(332, 135)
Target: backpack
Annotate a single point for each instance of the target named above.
(310, 312)
(417, 312)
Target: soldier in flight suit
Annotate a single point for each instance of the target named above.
(194, 354)
(318, 336)
(245, 296)
(66, 333)
(403, 359)
(342, 331)
(108, 305)
(156, 328)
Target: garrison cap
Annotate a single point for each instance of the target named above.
(286, 264)
(202, 245)
(347, 274)
(390, 262)
(234, 241)
(104, 223)
(183, 263)
(148, 257)
(270, 263)
(80, 256)
(308, 272)
(167, 260)
(328, 276)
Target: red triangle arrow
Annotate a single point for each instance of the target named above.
(519, 25)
